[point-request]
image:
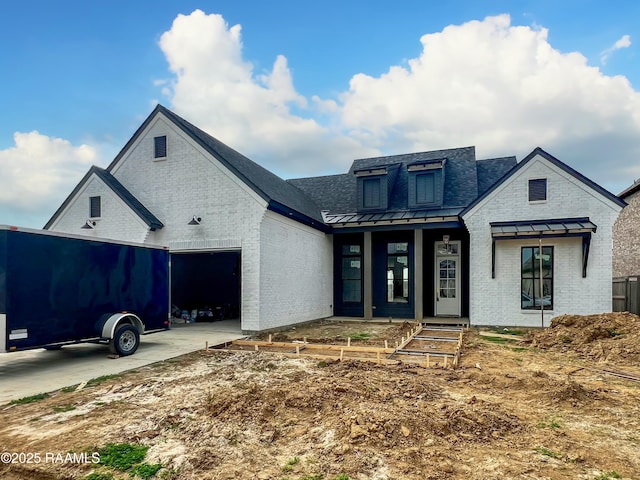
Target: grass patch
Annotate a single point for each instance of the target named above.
(548, 453)
(145, 470)
(122, 456)
(360, 336)
(499, 340)
(508, 331)
(608, 475)
(342, 476)
(63, 408)
(70, 388)
(519, 349)
(98, 380)
(31, 399)
(288, 467)
(550, 422)
(99, 476)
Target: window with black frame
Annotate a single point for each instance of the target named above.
(398, 272)
(351, 273)
(535, 267)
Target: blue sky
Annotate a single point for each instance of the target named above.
(305, 87)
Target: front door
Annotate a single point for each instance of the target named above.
(447, 281)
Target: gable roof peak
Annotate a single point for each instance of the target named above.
(274, 190)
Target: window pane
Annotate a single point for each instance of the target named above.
(351, 268)
(351, 250)
(94, 207)
(425, 188)
(160, 147)
(537, 189)
(532, 263)
(351, 291)
(371, 193)
(527, 263)
(402, 247)
(398, 279)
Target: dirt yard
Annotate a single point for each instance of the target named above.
(538, 405)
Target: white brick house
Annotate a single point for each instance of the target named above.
(409, 236)
(194, 178)
(574, 221)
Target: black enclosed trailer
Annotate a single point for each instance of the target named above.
(58, 289)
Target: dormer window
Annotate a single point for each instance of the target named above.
(374, 186)
(426, 179)
(160, 147)
(371, 193)
(425, 188)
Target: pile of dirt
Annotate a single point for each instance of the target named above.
(507, 412)
(610, 337)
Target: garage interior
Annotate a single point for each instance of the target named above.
(205, 286)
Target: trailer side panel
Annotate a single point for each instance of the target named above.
(62, 289)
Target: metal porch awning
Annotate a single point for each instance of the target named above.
(547, 228)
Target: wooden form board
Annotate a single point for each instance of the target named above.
(409, 349)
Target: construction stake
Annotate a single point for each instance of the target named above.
(269, 338)
(348, 341)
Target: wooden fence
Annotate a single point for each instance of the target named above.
(626, 295)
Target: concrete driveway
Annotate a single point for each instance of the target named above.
(36, 371)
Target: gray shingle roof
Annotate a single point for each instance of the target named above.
(491, 170)
(464, 178)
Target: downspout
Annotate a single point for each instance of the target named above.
(541, 282)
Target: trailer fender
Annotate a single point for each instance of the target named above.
(117, 319)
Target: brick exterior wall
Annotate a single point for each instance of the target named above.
(626, 239)
(190, 182)
(296, 274)
(498, 301)
(117, 221)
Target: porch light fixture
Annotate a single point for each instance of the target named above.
(88, 225)
(195, 220)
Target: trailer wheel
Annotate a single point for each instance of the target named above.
(125, 341)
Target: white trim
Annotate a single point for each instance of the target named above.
(205, 245)
(436, 273)
(3, 332)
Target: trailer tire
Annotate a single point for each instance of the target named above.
(52, 348)
(125, 341)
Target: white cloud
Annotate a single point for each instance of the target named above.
(38, 173)
(623, 42)
(215, 88)
(487, 83)
(506, 90)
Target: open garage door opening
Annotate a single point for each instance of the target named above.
(205, 286)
